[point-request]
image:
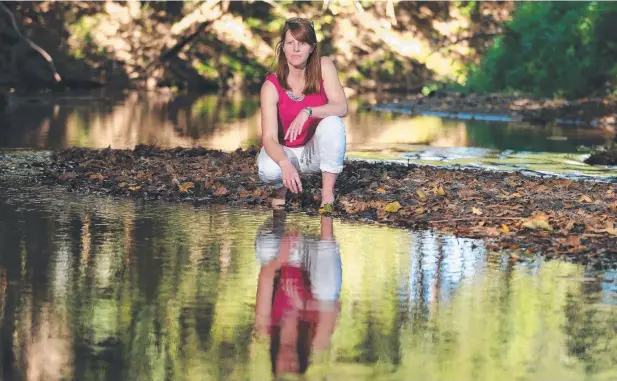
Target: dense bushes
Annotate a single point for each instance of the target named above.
(553, 49)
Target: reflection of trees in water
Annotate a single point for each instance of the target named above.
(591, 329)
(125, 120)
(134, 309)
(522, 137)
(115, 290)
(200, 116)
(34, 335)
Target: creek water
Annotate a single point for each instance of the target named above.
(122, 120)
(98, 288)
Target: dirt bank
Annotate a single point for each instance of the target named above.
(593, 112)
(525, 215)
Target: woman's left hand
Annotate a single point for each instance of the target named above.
(295, 128)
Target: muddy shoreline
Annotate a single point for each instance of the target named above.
(599, 112)
(523, 215)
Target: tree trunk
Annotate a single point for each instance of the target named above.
(23, 64)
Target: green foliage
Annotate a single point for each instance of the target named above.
(82, 31)
(552, 49)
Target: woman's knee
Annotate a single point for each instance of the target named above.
(332, 144)
(332, 125)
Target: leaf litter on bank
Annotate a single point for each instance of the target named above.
(548, 215)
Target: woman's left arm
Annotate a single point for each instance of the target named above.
(337, 101)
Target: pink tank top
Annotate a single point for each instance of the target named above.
(283, 302)
(288, 109)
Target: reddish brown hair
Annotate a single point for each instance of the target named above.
(302, 30)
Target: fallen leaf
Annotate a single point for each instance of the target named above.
(97, 176)
(420, 211)
(420, 194)
(326, 209)
(439, 192)
(393, 207)
(572, 240)
(381, 191)
(491, 231)
(184, 187)
(134, 188)
(222, 191)
(585, 198)
(569, 226)
(504, 228)
(477, 211)
(141, 175)
(538, 222)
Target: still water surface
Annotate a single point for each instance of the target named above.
(103, 289)
(100, 119)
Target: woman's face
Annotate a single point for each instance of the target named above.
(296, 52)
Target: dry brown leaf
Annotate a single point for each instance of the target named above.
(538, 221)
(184, 187)
(491, 231)
(569, 225)
(585, 198)
(439, 191)
(97, 176)
(572, 240)
(222, 191)
(611, 231)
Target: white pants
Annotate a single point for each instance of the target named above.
(321, 258)
(325, 152)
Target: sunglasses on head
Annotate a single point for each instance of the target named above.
(299, 20)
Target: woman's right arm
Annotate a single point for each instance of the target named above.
(269, 122)
(270, 140)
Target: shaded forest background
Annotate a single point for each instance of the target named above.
(539, 48)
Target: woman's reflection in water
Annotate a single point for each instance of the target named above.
(298, 291)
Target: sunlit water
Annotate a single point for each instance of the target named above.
(101, 289)
(228, 122)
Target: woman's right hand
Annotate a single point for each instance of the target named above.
(291, 178)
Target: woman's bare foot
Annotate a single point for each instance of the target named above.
(327, 199)
(278, 201)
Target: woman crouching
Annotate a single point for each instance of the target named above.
(301, 108)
